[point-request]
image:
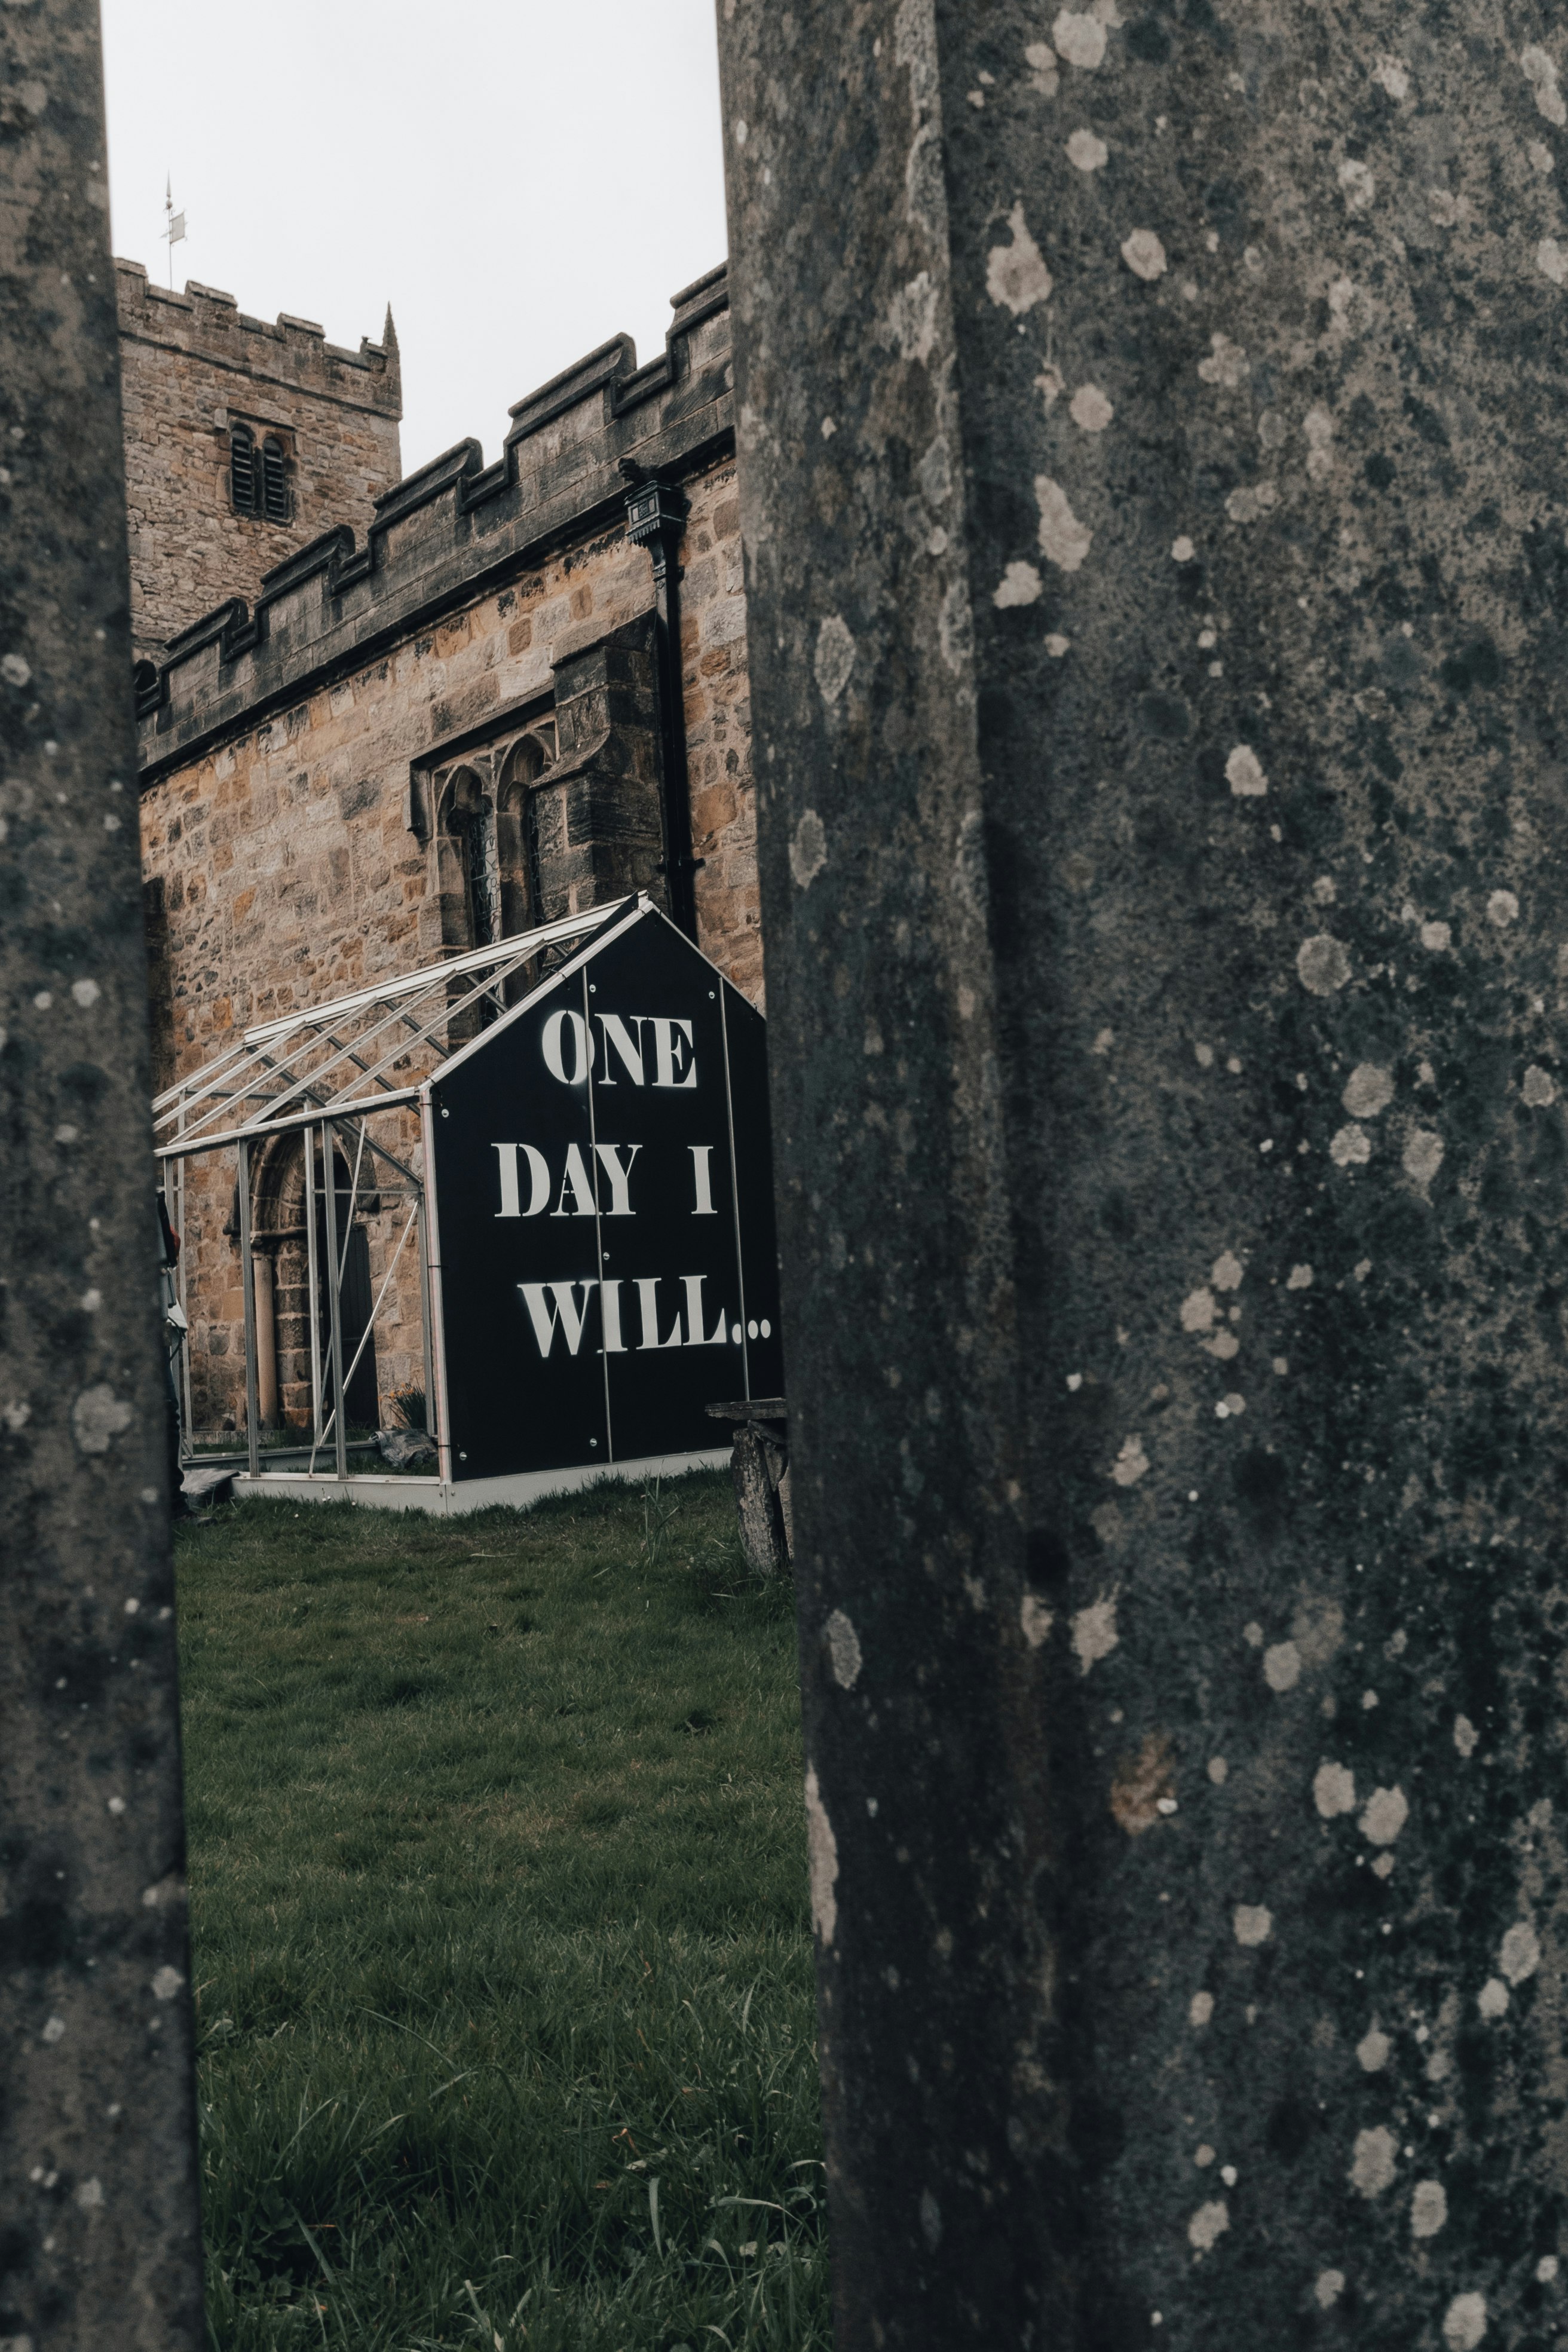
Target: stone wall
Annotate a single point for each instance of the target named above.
(718, 735)
(193, 366)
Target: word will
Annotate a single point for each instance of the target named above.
(557, 1306)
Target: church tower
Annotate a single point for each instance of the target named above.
(244, 441)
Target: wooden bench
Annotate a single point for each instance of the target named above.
(759, 1463)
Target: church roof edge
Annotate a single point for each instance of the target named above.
(208, 324)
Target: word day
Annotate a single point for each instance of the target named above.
(576, 1195)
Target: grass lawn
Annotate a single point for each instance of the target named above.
(498, 1873)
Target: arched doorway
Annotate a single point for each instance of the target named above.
(293, 1310)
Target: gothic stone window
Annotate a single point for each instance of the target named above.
(486, 864)
(259, 474)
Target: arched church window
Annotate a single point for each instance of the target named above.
(475, 880)
(486, 855)
(516, 862)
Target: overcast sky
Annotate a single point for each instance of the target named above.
(521, 179)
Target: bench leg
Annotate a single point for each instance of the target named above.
(756, 1501)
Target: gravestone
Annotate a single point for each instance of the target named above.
(1152, 443)
(99, 2238)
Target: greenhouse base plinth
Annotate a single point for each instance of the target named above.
(450, 1499)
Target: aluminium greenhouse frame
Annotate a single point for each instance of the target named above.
(326, 1072)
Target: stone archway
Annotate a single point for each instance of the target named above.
(284, 1304)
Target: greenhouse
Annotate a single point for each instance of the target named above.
(522, 1200)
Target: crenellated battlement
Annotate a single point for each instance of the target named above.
(196, 371)
(208, 325)
(453, 529)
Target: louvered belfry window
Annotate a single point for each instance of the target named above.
(258, 477)
(274, 480)
(242, 470)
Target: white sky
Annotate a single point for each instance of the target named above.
(521, 179)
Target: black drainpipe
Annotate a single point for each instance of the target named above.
(655, 517)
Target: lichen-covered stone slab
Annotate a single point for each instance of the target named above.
(99, 2244)
(1154, 487)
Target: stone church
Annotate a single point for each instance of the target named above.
(384, 718)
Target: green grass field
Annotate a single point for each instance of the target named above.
(504, 1993)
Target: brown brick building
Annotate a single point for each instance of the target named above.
(430, 711)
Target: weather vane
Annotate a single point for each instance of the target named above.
(176, 231)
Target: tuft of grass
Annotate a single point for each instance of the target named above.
(408, 1410)
(504, 1986)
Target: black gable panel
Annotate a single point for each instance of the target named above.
(600, 1284)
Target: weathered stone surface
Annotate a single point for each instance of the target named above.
(1152, 474)
(757, 1505)
(99, 2241)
